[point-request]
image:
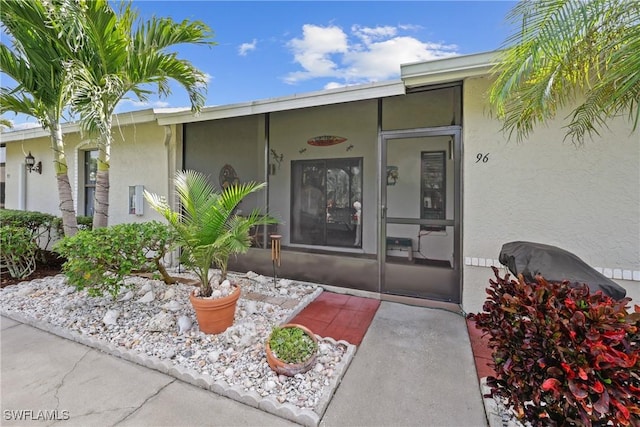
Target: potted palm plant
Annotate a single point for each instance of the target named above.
(209, 231)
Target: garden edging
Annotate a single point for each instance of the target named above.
(303, 416)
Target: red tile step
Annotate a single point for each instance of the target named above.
(339, 316)
(481, 351)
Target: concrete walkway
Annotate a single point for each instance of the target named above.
(414, 368)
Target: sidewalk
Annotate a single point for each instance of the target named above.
(414, 368)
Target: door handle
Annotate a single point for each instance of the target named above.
(383, 211)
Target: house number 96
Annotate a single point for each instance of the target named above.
(484, 158)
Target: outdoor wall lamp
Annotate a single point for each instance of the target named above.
(32, 166)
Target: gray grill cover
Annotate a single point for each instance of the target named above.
(555, 265)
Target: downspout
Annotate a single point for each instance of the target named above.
(168, 136)
(22, 188)
(267, 143)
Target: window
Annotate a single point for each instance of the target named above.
(90, 172)
(432, 171)
(326, 202)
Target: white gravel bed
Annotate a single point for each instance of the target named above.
(156, 320)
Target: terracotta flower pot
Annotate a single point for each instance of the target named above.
(215, 315)
(290, 369)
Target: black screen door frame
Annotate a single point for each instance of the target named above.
(453, 287)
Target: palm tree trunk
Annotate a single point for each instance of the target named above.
(65, 195)
(101, 212)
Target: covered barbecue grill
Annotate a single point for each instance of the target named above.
(556, 265)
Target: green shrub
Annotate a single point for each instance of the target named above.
(42, 227)
(562, 355)
(84, 223)
(18, 254)
(100, 259)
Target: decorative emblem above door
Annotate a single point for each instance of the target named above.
(325, 140)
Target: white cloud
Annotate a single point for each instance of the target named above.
(380, 61)
(366, 54)
(367, 34)
(143, 104)
(247, 47)
(315, 51)
(410, 27)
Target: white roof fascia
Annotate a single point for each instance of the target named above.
(448, 69)
(120, 119)
(310, 99)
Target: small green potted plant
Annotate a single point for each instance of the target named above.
(209, 231)
(291, 349)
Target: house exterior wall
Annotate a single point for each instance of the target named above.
(289, 132)
(139, 156)
(238, 142)
(31, 191)
(584, 199)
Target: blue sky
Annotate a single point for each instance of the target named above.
(270, 49)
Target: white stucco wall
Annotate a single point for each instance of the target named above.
(584, 199)
(138, 157)
(40, 191)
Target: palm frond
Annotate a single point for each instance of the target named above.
(209, 228)
(562, 50)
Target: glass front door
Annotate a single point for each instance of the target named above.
(420, 212)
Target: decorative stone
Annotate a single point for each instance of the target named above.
(147, 298)
(184, 324)
(213, 356)
(146, 287)
(67, 290)
(111, 317)
(233, 360)
(284, 283)
(27, 290)
(161, 322)
(127, 296)
(172, 305)
(251, 307)
(168, 294)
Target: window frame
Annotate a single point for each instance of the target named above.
(342, 228)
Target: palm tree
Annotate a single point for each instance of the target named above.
(208, 229)
(5, 123)
(35, 63)
(564, 50)
(121, 56)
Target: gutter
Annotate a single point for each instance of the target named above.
(448, 69)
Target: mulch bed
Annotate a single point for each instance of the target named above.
(50, 267)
